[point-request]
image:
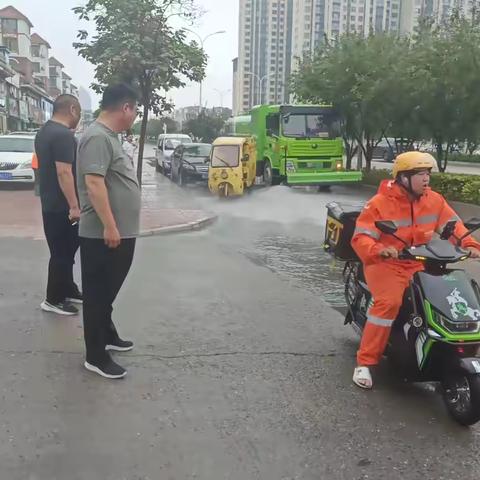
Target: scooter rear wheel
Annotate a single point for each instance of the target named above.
(461, 394)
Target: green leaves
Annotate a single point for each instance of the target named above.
(462, 188)
(424, 88)
(204, 127)
(136, 42)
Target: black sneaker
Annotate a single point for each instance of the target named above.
(75, 297)
(119, 345)
(63, 308)
(107, 369)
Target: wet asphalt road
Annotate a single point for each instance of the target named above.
(241, 371)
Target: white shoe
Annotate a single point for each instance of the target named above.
(363, 378)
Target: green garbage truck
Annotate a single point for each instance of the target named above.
(296, 144)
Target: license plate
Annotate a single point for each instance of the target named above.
(5, 176)
(311, 165)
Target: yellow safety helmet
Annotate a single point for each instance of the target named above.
(409, 161)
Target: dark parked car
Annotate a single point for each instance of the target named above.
(190, 163)
(385, 150)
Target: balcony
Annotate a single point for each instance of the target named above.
(5, 69)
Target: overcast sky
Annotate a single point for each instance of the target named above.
(54, 21)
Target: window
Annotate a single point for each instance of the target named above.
(36, 67)
(24, 145)
(35, 51)
(225, 156)
(273, 124)
(9, 25)
(11, 44)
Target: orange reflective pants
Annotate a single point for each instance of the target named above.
(387, 282)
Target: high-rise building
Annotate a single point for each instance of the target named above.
(438, 10)
(315, 21)
(275, 34)
(264, 53)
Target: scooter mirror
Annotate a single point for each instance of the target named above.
(386, 226)
(448, 230)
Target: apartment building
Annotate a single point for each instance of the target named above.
(27, 89)
(264, 56)
(40, 66)
(438, 10)
(315, 21)
(275, 34)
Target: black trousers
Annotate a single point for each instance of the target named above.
(104, 270)
(62, 239)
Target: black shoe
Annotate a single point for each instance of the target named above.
(108, 369)
(75, 297)
(63, 308)
(119, 345)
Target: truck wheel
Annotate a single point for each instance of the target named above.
(267, 173)
(461, 394)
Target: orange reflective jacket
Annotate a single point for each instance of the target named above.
(35, 161)
(416, 221)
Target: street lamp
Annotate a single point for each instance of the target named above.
(222, 93)
(260, 81)
(202, 41)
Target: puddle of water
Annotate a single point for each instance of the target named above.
(304, 262)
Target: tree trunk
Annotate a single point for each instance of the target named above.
(368, 155)
(350, 150)
(141, 146)
(360, 159)
(441, 162)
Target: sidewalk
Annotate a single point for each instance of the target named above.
(165, 209)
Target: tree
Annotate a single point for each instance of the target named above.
(204, 127)
(136, 43)
(445, 80)
(356, 75)
(155, 127)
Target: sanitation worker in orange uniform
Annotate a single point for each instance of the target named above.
(418, 213)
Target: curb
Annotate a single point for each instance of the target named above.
(180, 228)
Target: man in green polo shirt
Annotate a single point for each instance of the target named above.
(109, 224)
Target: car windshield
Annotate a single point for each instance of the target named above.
(308, 125)
(171, 143)
(24, 145)
(225, 156)
(197, 151)
(198, 154)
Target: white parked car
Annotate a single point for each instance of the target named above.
(16, 153)
(166, 144)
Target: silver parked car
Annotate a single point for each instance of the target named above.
(16, 153)
(166, 144)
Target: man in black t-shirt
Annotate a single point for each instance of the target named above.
(55, 147)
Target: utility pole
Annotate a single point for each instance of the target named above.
(202, 41)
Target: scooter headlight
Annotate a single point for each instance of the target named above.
(454, 326)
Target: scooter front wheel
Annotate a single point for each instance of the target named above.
(461, 394)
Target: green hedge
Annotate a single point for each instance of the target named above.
(460, 188)
(463, 157)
